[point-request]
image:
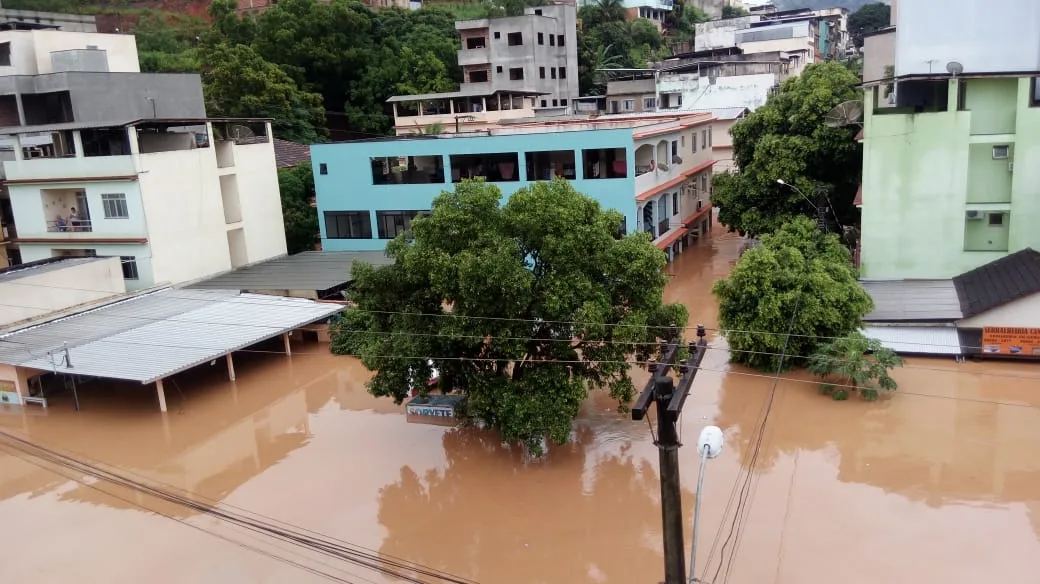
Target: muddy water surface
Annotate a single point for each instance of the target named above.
(940, 483)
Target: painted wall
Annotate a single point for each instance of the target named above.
(699, 93)
(879, 51)
(31, 49)
(48, 290)
(34, 206)
(1024, 312)
(920, 178)
(140, 252)
(259, 201)
(348, 186)
(720, 34)
(186, 229)
(1002, 37)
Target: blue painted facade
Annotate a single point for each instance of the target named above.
(348, 183)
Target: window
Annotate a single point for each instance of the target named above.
(348, 225)
(115, 206)
(628, 105)
(613, 106)
(498, 35)
(649, 103)
(675, 148)
(555, 103)
(516, 73)
(407, 170)
(541, 72)
(563, 72)
(552, 40)
(129, 267)
(704, 139)
(475, 43)
(1036, 92)
(493, 167)
(538, 11)
(515, 39)
(996, 219)
(563, 102)
(393, 223)
(1001, 152)
(709, 136)
(498, 69)
(559, 40)
(604, 163)
(693, 138)
(5, 54)
(541, 39)
(545, 103)
(323, 168)
(683, 141)
(704, 182)
(675, 203)
(551, 163)
(478, 77)
(552, 71)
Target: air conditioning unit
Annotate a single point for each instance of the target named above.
(1001, 152)
(973, 215)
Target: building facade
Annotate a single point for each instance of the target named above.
(656, 171)
(950, 180)
(536, 53)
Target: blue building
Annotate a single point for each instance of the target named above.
(369, 191)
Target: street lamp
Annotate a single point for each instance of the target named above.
(782, 182)
(709, 445)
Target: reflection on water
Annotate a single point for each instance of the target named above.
(936, 484)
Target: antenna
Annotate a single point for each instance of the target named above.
(954, 68)
(845, 113)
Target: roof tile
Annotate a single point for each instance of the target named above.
(999, 282)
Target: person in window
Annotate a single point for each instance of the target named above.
(74, 220)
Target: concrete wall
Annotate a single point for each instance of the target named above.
(722, 150)
(31, 50)
(918, 184)
(140, 252)
(1024, 312)
(1002, 37)
(50, 290)
(348, 186)
(720, 34)
(879, 51)
(699, 93)
(260, 201)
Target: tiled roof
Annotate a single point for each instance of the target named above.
(288, 154)
(1012, 277)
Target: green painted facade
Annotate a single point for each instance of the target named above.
(947, 191)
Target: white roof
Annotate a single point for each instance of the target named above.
(917, 340)
(151, 336)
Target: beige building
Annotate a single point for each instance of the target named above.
(47, 286)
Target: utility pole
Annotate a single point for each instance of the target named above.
(669, 400)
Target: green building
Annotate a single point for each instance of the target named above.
(951, 173)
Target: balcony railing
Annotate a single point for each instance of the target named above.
(73, 226)
(662, 227)
(642, 169)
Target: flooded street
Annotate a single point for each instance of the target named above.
(939, 483)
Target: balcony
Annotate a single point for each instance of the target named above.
(59, 169)
(479, 56)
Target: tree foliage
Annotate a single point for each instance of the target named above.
(799, 279)
(857, 362)
(301, 219)
(547, 301)
(729, 11)
(788, 139)
(683, 18)
(869, 18)
(608, 40)
(240, 83)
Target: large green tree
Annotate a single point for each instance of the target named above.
(867, 19)
(799, 280)
(787, 139)
(238, 82)
(296, 186)
(525, 307)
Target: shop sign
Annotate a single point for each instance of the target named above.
(1011, 341)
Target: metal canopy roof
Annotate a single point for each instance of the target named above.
(309, 270)
(148, 337)
(913, 301)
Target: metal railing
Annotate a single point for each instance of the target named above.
(72, 226)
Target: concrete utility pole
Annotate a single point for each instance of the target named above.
(661, 390)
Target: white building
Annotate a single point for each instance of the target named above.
(176, 200)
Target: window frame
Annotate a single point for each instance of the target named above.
(563, 72)
(129, 267)
(628, 105)
(407, 217)
(512, 70)
(366, 224)
(541, 72)
(649, 103)
(675, 203)
(995, 215)
(518, 36)
(541, 38)
(112, 201)
(560, 40)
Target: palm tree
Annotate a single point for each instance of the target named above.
(854, 362)
(609, 10)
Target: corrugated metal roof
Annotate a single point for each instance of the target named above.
(152, 336)
(309, 270)
(913, 301)
(917, 340)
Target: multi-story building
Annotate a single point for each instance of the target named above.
(656, 11)
(12, 19)
(950, 173)
(655, 169)
(809, 35)
(104, 160)
(536, 53)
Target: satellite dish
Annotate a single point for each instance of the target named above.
(954, 68)
(845, 114)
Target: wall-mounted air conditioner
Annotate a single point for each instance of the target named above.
(973, 215)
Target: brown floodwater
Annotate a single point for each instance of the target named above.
(938, 483)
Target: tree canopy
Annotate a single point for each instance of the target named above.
(798, 279)
(729, 11)
(524, 307)
(857, 363)
(869, 18)
(296, 186)
(607, 40)
(787, 139)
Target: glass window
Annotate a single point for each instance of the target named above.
(348, 225)
(552, 70)
(541, 39)
(675, 203)
(548, 164)
(604, 163)
(709, 136)
(393, 223)
(563, 72)
(693, 138)
(704, 138)
(675, 148)
(514, 39)
(115, 206)
(628, 105)
(649, 103)
(407, 170)
(323, 168)
(129, 264)
(496, 167)
(541, 72)
(552, 40)
(516, 74)
(559, 40)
